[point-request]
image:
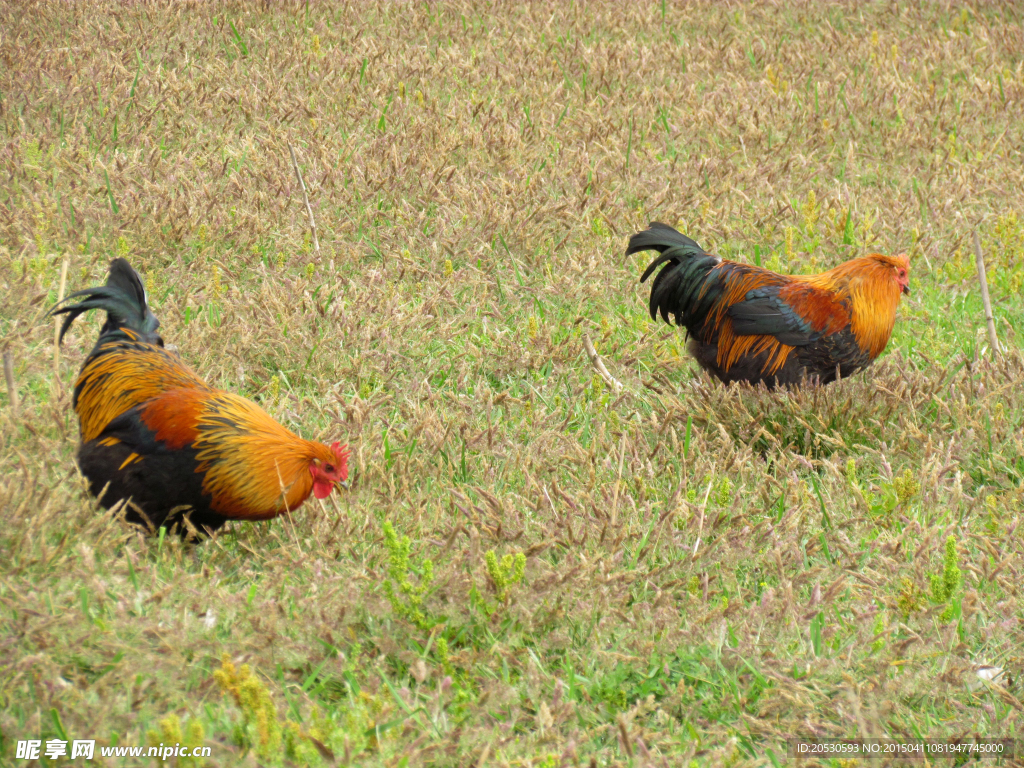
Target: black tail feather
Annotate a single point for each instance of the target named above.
(123, 298)
(661, 237)
(678, 288)
(665, 256)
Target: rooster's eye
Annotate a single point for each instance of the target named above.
(328, 468)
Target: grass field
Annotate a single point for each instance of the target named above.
(530, 569)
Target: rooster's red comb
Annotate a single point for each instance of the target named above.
(341, 451)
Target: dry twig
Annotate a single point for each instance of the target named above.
(980, 259)
(57, 320)
(12, 391)
(598, 363)
(700, 526)
(305, 197)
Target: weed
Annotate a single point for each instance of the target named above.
(505, 573)
(946, 584)
(911, 598)
(906, 486)
(406, 598)
(260, 728)
(172, 733)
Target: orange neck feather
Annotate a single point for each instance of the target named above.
(874, 294)
(257, 473)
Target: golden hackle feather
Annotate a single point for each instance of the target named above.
(113, 382)
(874, 297)
(250, 461)
(732, 347)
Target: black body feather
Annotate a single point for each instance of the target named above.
(150, 484)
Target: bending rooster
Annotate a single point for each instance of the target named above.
(157, 436)
(750, 324)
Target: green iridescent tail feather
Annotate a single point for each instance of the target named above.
(123, 298)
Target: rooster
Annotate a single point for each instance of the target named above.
(158, 437)
(747, 323)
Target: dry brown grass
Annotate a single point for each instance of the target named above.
(709, 571)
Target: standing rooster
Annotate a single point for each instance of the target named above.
(157, 436)
(751, 324)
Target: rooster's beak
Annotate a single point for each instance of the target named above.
(343, 484)
(906, 289)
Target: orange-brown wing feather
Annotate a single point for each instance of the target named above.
(122, 374)
(174, 416)
(821, 307)
(761, 312)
